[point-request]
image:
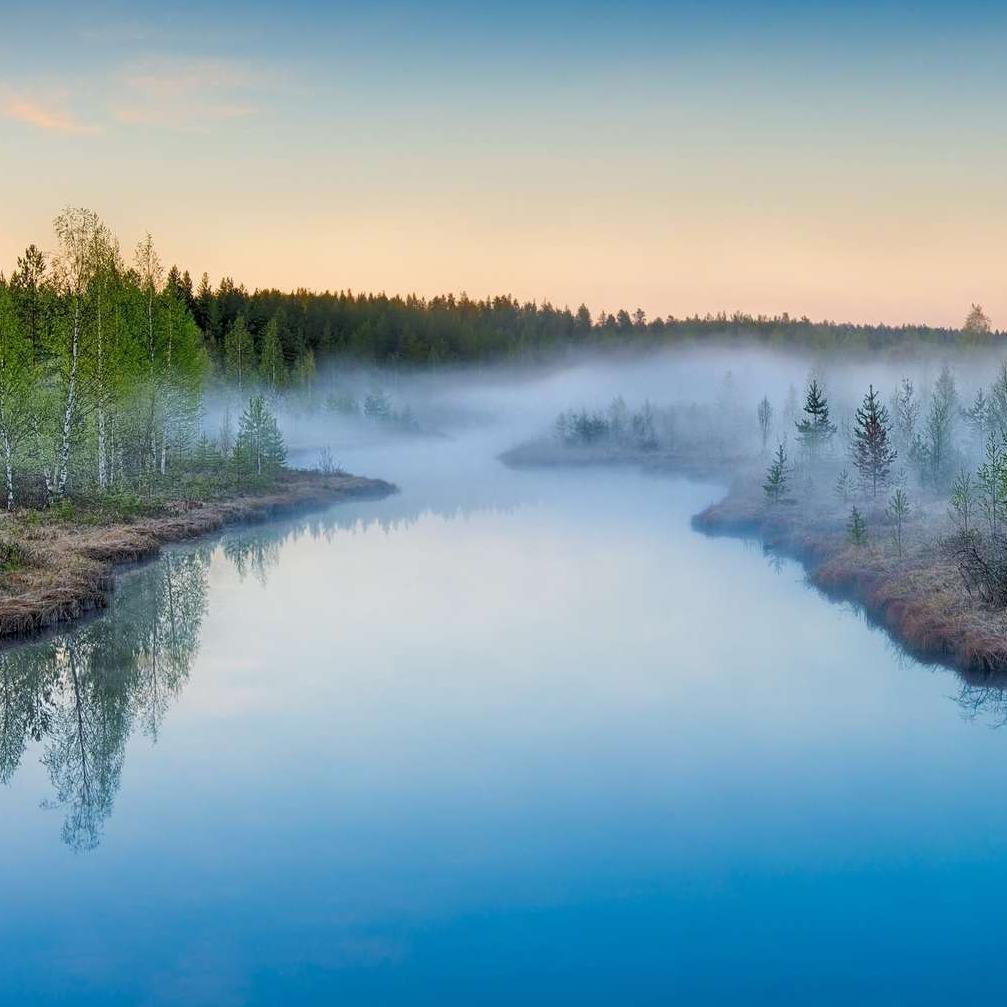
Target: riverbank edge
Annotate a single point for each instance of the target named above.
(908, 597)
(69, 570)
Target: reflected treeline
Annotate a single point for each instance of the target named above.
(81, 693)
(256, 553)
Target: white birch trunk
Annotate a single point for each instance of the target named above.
(10, 470)
(63, 462)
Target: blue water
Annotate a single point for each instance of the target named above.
(503, 738)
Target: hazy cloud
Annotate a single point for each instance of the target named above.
(50, 115)
(185, 92)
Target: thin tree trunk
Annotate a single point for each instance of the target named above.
(63, 465)
(102, 471)
(10, 471)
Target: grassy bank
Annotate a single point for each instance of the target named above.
(917, 595)
(59, 564)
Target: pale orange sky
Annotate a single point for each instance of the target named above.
(656, 163)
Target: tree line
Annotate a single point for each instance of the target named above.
(292, 333)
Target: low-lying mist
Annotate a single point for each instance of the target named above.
(451, 423)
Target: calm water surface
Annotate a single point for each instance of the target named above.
(503, 738)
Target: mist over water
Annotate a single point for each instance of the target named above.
(505, 736)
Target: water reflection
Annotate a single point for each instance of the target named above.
(81, 693)
(983, 695)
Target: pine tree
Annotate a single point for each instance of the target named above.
(777, 477)
(844, 485)
(873, 454)
(856, 528)
(815, 430)
(259, 447)
(272, 366)
(977, 416)
(239, 353)
(907, 412)
(939, 426)
(304, 372)
(998, 401)
(764, 414)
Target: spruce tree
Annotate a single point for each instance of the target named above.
(272, 366)
(259, 447)
(844, 485)
(239, 353)
(998, 401)
(777, 477)
(873, 454)
(814, 430)
(856, 528)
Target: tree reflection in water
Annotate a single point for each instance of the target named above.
(984, 694)
(81, 692)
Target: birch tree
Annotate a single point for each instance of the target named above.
(74, 265)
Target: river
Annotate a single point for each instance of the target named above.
(505, 737)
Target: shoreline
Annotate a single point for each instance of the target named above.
(68, 569)
(917, 598)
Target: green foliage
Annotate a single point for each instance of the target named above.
(977, 322)
(978, 416)
(991, 483)
(422, 331)
(873, 454)
(778, 477)
(13, 556)
(239, 353)
(259, 449)
(939, 426)
(102, 370)
(963, 503)
(272, 366)
(304, 370)
(815, 430)
(856, 528)
(647, 429)
(764, 415)
(844, 485)
(906, 408)
(897, 512)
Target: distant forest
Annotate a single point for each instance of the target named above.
(410, 329)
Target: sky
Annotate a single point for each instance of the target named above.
(840, 161)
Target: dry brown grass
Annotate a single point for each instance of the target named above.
(919, 597)
(68, 570)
